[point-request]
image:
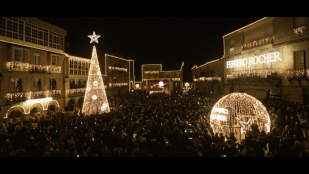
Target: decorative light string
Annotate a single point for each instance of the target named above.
(260, 42)
(207, 79)
(261, 73)
(299, 30)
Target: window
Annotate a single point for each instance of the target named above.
(72, 84)
(52, 84)
(299, 60)
(16, 85)
(299, 21)
(37, 85)
(79, 68)
(20, 55)
(145, 69)
(54, 59)
(37, 59)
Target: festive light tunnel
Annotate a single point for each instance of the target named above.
(236, 112)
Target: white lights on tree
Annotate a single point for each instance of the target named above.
(161, 83)
(94, 37)
(104, 106)
(95, 83)
(95, 95)
(235, 113)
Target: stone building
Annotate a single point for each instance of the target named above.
(38, 75)
(156, 81)
(32, 54)
(267, 59)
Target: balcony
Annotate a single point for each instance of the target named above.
(176, 79)
(54, 93)
(257, 43)
(299, 75)
(117, 84)
(151, 72)
(23, 96)
(208, 79)
(20, 66)
(111, 68)
(251, 76)
(77, 91)
(18, 96)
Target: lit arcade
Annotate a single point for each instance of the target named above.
(236, 112)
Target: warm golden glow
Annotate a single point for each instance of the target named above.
(238, 110)
(96, 97)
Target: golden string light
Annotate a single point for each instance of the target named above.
(20, 66)
(207, 79)
(111, 68)
(95, 100)
(238, 110)
(260, 42)
(262, 73)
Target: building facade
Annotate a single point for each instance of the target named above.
(156, 81)
(268, 59)
(37, 74)
(32, 52)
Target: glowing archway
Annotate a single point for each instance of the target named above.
(15, 108)
(238, 110)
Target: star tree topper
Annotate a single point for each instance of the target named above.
(94, 38)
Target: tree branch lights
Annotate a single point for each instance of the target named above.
(238, 110)
(95, 100)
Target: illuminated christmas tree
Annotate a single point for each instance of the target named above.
(95, 100)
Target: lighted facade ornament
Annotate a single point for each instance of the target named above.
(95, 83)
(256, 43)
(232, 50)
(104, 106)
(187, 84)
(94, 37)
(261, 73)
(161, 84)
(137, 85)
(264, 58)
(96, 97)
(299, 30)
(238, 110)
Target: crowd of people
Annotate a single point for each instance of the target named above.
(154, 126)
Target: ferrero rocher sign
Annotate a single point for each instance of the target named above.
(264, 58)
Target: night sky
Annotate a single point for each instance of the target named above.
(159, 40)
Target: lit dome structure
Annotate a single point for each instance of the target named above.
(236, 112)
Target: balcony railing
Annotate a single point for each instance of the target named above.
(297, 74)
(77, 91)
(151, 72)
(207, 79)
(22, 96)
(21, 66)
(111, 68)
(256, 43)
(263, 73)
(118, 84)
(18, 96)
(54, 93)
(176, 79)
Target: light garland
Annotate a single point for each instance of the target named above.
(54, 92)
(118, 84)
(158, 92)
(39, 100)
(78, 59)
(242, 109)
(299, 30)
(75, 91)
(151, 72)
(16, 96)
(291, 73)
(262, 73)
(92, 104)
(207, 79)
(20, 66)
(117, 69)
(176, 79)
(260, 42)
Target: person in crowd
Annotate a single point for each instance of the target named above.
(155, 125)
